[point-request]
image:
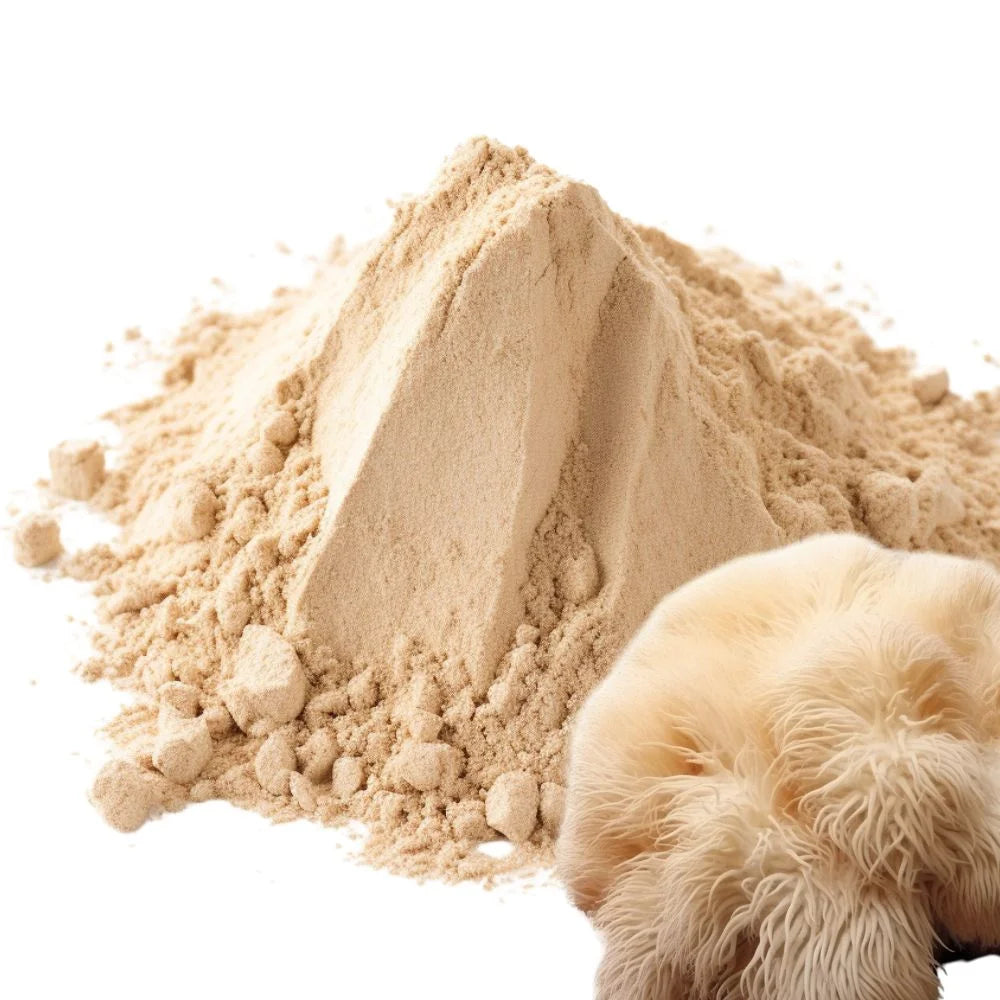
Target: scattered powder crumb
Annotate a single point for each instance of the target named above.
(36, 539)
(183, 746)
(931, 387)
(889, 507)
(193, 514)
(274, 764)
(77, 468)
(348, 776)
(381, 538)
(512, 805)
(302, 791)
(427, 766)
(268, 686)
(123, 795)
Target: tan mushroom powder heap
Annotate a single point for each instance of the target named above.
(381, 538)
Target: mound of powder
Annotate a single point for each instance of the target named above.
(380, 539)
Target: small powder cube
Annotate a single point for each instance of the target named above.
(931, 387)
(348, 776)
(302, 791)
(424, 726)
(280, 429)
(184, 699)
(265, 458)
(512, 805)
(123, 795)
(948, 504)
(325, 705)
(426, 766)
(232, 602)
(268, 687)
(77, 468)
(274, 764)
(504, 698)
(193, 512)
(890, 507)
(247, 519)
(36, 540)
(183, 747)
(468, 820)
(219, 721)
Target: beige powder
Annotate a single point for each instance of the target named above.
(380, 539)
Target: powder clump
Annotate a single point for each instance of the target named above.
(123, 795)
(274, 764)
(389, 531)
(36, 540)
(931, 387)
(512, 805)
(268, 687)
(183, 746)
(77, 468)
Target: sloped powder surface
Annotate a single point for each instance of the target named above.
(441, 485)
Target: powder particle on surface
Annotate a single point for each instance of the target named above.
(302, 791)
(890, 508)
(123, 795)
(512, 805)
(77, 468)
(348, 776)
(36, 539)
(427, 766)
(468, 821)
(947, 504)
(424, 727)
(280, 429)
(494, 440)
(184, 699)
(183, 746)
(268, 687)
(193, 514)
(274, 764)
(265, 458)
(220, 723)
(931, 387)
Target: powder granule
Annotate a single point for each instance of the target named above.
(36, 539)
(123, 795)
(77, 468)
(427, 498)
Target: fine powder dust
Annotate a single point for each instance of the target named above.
(380, 539)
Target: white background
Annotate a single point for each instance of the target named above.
(145, 149)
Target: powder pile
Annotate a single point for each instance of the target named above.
(380, 539)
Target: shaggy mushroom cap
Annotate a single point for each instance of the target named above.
(789, 784)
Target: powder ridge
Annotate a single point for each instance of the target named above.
(388, 532)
